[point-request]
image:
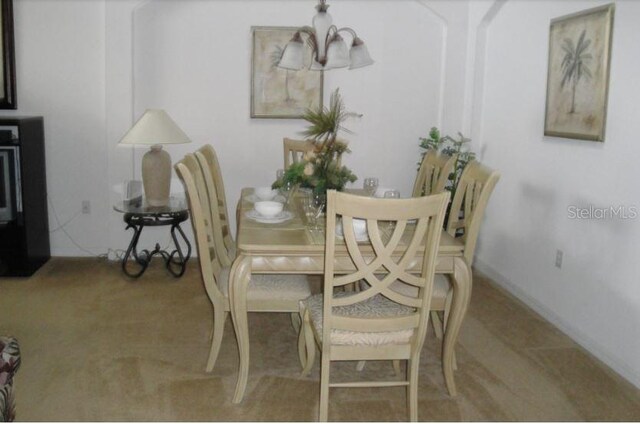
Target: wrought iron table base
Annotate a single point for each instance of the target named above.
(176, 261)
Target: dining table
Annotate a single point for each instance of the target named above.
(297, 247)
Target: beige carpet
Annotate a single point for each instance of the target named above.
(97, 346)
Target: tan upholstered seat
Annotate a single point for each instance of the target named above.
(374, 307)
(265, 287)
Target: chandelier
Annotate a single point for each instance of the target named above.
(329, 48)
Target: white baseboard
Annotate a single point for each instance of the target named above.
(74, 252)
(595, 348)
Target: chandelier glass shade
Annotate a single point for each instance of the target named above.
(330, 51)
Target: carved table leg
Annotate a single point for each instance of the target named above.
(238, 282)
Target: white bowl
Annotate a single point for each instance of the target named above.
(359, 229)
(265, 193)
(268, 209)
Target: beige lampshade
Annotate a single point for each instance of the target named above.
(155, 126)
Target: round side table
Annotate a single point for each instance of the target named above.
(140, 215)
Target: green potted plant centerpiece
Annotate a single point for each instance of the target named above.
(321, 168)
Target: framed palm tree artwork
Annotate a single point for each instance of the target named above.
(578, 74)
(276, 92)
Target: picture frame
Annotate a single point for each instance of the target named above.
(578, 74)
(8, 98)
(280, 93)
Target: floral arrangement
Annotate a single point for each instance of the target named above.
(320, 168)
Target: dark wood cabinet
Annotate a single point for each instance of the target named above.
(24, 218)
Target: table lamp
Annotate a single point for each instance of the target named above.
(155, 128)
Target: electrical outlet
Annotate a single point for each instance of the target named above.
(559, 258)
(86, 207)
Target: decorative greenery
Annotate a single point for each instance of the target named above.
(320, 169)
(575, 64)
(449, 146)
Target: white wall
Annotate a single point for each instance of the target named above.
(89, 68)
(595, 297)
(60, 55)
(193, 59)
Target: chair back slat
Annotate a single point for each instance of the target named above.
(380, 324)
(390, 233)
(215, 175)
(433, 174)
(294, 150)
(469, 203)
(187, 169)
(218, 225)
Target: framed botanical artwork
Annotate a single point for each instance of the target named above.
(578, 74)
(275, 92)
(8, 57)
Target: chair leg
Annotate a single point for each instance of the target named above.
(302, 349)
(412, 390)
(447, 308)
(310, 344)
(437, 324)
(324, 388)
(219, 318)
(296, 322)
(396, 367)
(447, 311)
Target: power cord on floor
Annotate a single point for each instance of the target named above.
(118, 254)
(61, 227)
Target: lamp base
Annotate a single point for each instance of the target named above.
(156, 176)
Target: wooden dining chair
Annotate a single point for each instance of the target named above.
(377, 323)
(433, 174)
(294, 150)
(465, 216)
(266, 293)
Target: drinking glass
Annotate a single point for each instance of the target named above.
(392, 194)
(319, 201)
(286, 191)
(309, 209)
(370, 185)
(313, 208)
